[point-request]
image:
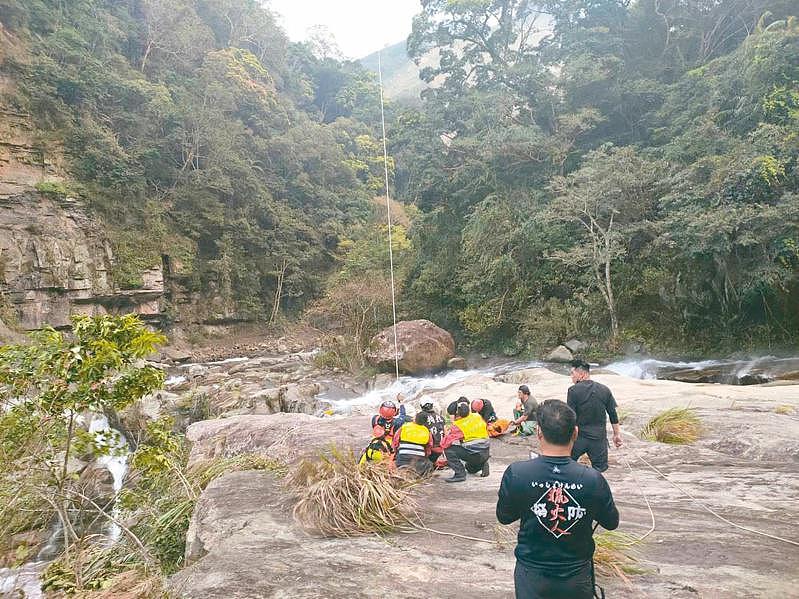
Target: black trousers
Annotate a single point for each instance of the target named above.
(420, 464)
(532, 583)
(463, 460)
(597, 450)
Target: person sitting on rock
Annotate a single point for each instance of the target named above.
(466, 445)
(485, 409)
(389, 418)
(524, 413)
(413, 445)
(435, 424)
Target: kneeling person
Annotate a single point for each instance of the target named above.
(413, 443)
(557, 501)
(466, 445)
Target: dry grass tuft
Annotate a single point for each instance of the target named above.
(339, 498)
(674, 426)
(614, 556)
(784, 409)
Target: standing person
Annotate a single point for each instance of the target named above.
(485, 409)
(591, 401)
(524, 414)
(412, 445)
(557, 501)
(435, 424)
(466, 443)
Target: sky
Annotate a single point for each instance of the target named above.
(359, 26)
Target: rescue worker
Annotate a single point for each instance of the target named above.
(485, 409)
(452, 408)
(524, 414)
(413, 444)
(389, 418)
(466, 445)
(557, 501)
(435, 424)
(378, 448)
(591, 401)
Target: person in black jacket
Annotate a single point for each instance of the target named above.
(557, 501)
(591, 401)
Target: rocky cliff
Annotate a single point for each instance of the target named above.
(55, 260)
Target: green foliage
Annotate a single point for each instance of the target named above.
(47, 387)
(199, 135)
(633, 174)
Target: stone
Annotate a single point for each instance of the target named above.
(197, 371)
(456, 363)
(559, 354)
(575, 345)
(176, 355)
(423, 347)
(300, 398)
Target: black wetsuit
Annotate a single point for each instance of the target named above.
(591, 401)
(488, 413)
(557, 501)
(435, 423)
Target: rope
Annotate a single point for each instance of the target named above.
(705, 507)
(646, 499)
(388, 217)
(452, 534)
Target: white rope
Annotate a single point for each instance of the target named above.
(388, 217)
(705, 507)
(646, 499)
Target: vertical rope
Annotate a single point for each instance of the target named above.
(388, 216)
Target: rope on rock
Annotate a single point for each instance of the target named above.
(646, 499)
(452, 534)
(662, 475)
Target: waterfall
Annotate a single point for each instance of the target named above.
(115, 462)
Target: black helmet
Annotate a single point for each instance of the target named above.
(427, 406)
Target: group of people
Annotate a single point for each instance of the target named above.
(555, 498)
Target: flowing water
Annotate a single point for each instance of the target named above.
(25, 579)
(412, 388)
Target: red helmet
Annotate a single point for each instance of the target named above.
(477, 405)
(388, 409)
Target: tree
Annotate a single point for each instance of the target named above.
(48, 390)
(614, 193)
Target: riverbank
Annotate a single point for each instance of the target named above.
(243, 542)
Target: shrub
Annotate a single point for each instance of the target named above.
(674, 426)
(337, 497)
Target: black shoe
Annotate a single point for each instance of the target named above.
(485, 470)
(456, 479)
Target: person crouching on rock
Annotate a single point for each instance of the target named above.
(389, 418)
(466, 445)
(413, 444)
(557, 501)
(435, 424)
(485, 409)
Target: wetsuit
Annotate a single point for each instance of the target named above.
(557, 501)
(435, 423)
(488, 413)
(591, 401)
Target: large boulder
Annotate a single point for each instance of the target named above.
(560, 354)
(423, 347)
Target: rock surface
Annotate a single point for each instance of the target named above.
(54, 259)
(423, 347)
(243, 542)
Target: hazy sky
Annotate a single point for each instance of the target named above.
(359, 26)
